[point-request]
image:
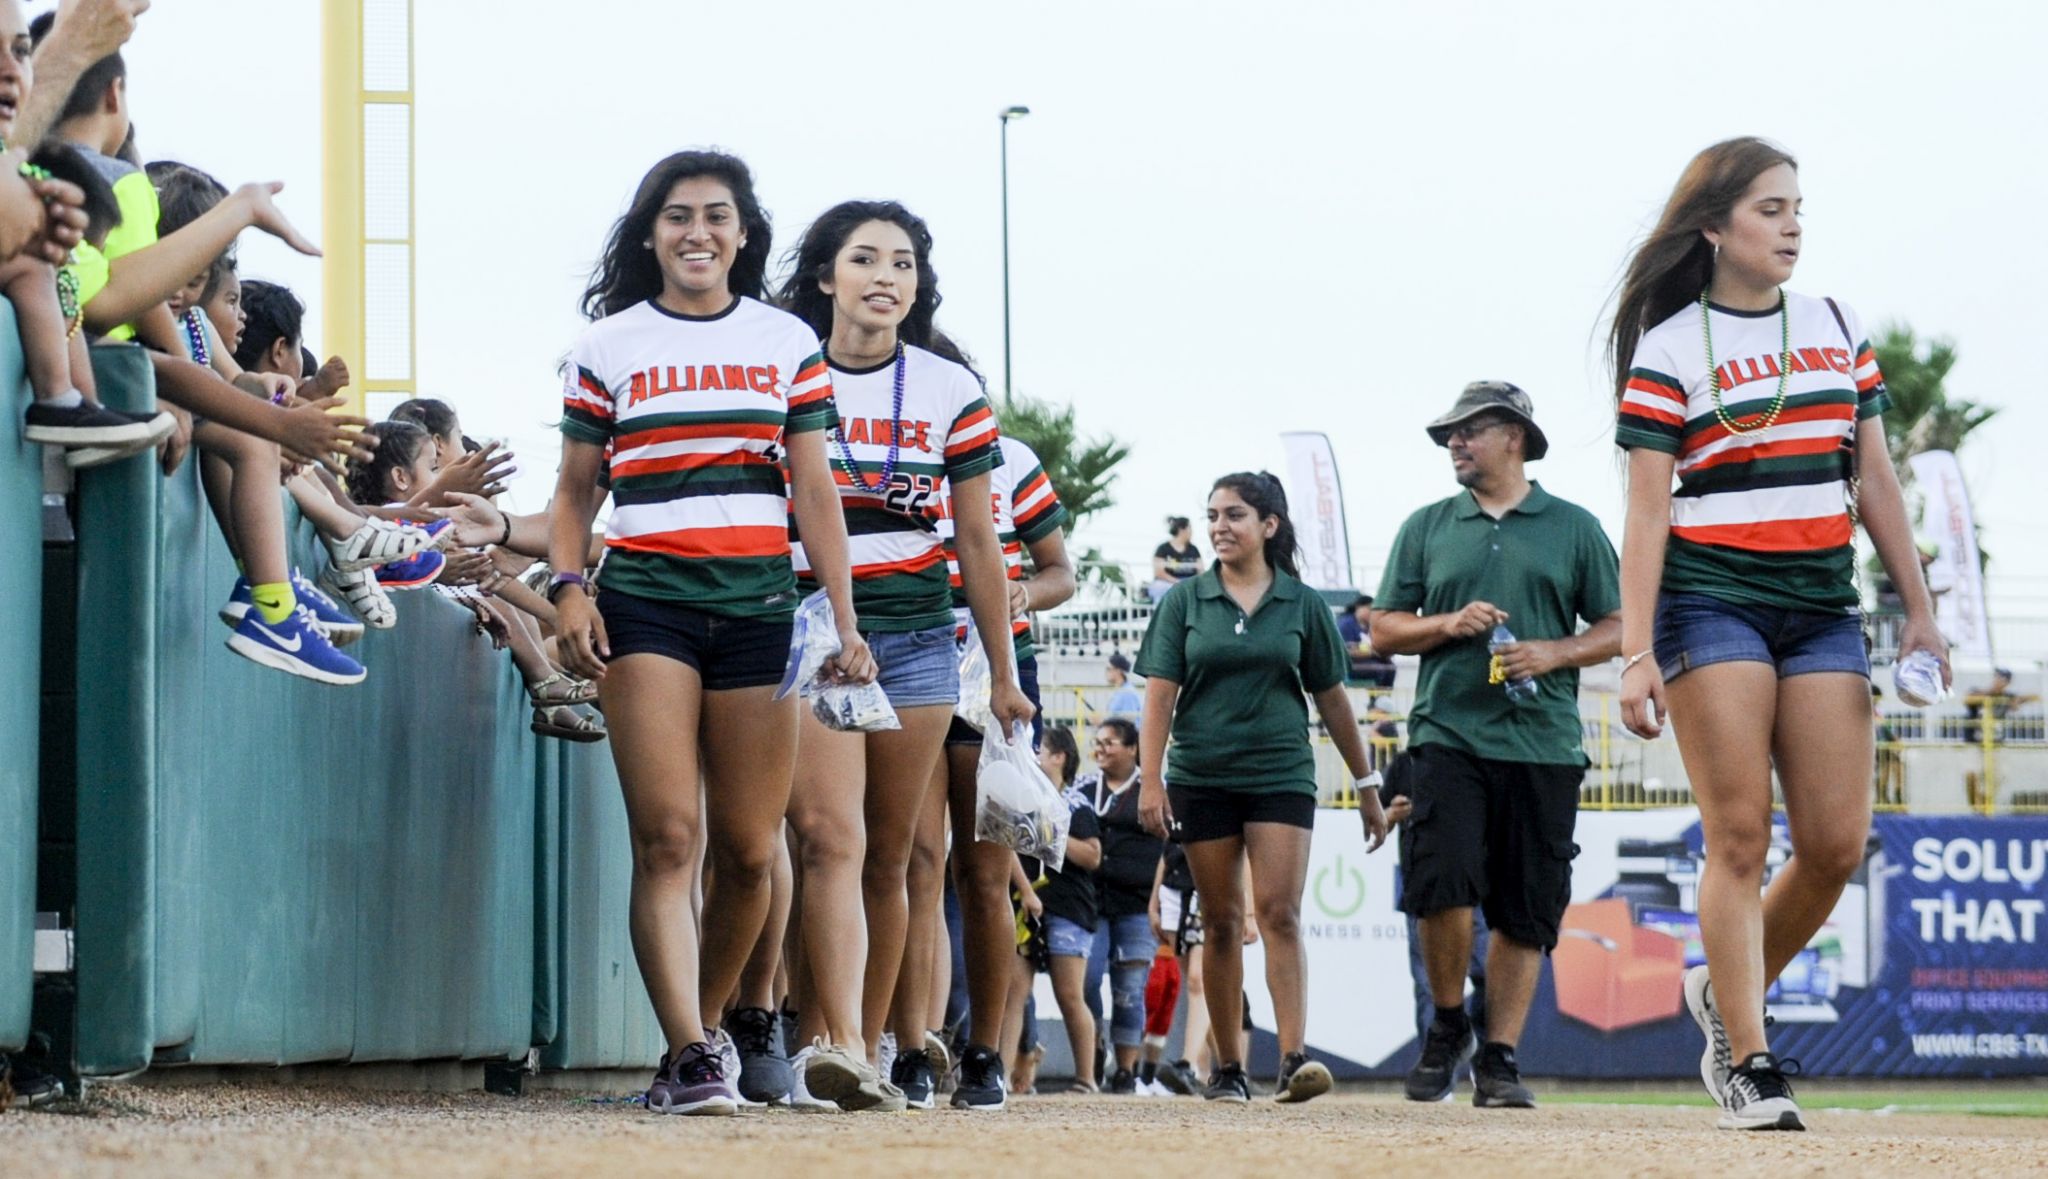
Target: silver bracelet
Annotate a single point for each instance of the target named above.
(1634, 659)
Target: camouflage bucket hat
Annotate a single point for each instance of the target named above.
(1482, 396)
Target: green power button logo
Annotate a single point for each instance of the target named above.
(1348, 883)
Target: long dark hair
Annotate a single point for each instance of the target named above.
(1676, 262)
(1266, 497)
(628, 273)
(1059, 739)
(396, 444)
(812, 260)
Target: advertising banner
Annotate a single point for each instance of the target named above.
(1933, 963)
(1957, 575)
(1315, 499)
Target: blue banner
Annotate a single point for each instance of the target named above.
(1933, 963)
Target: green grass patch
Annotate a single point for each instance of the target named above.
(1978, 1100)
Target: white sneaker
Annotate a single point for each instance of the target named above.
(799, 1093)
(1759, 1097)
(729, 1059)
(1153, 1089)
(1716, 1061)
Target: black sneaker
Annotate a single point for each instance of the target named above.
(1122, 1082)
(1497, 1080)
(1228, 1083)
(765, 1075)
(1300, 1079)
(1759, 1097)
(981, 1080)
(1443, 1050)
(86, 424)
(913, 1073)
(1178, 1077)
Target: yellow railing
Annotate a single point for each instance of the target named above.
(1997, 765)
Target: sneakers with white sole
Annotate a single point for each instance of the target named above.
(799, 1094)
(849, 1082)
(1716, 1060)
(1760, 1097)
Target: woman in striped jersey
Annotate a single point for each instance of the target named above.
(912, 417)
(1739, 600)
(700, 394)
(1029, 519)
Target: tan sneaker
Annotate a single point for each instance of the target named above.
(840, 1077)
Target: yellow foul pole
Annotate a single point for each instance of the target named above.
(367, 224)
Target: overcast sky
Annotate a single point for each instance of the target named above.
(1226, 220)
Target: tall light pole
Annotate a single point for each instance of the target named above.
(1005, 115)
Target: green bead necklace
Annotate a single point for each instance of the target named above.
(1770, 416)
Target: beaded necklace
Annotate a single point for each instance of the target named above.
(67, 301)
(846, 462)
(1777, 406)
(195, 333)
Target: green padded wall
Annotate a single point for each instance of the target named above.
(274, 871)
(21, 645)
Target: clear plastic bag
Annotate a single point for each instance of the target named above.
(975, 681)
(1015, 804)
(813, 638)
(854, 708)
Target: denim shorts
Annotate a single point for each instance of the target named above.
(1694, 630)
(918, 667)
(1066, 939)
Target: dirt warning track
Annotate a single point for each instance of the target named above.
(219, 1130)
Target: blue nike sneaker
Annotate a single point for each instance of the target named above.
(341, 627)
(238, 605)
(294, 645)
(417, 570)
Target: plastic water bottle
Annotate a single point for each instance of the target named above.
(1917, 679)
(1521, 690)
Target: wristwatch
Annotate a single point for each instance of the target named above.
(562, 579)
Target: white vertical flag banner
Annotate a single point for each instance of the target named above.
(1960, 611)
(1315, 499)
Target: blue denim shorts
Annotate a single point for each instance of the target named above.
(1066, 939)
(918, 667)
(1694, 630)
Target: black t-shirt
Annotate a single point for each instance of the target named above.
(1130, 854)
(1070, 892)
(1181, 564)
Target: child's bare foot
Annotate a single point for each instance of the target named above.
(330, 380)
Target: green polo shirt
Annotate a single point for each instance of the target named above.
(1241, 722)
(1548, 564)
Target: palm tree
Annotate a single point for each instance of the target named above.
(1081, 470)
(1923, 415)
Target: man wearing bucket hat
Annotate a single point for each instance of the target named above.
(1493, 777)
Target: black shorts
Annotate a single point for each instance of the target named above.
(1202, 813)
(1491, 834)
(962, 733)
(729, 653)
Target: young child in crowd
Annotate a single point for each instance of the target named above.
(65, 411)
(406, 460)
(123, 291)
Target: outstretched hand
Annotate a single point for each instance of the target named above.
(258, 201)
